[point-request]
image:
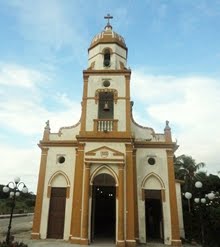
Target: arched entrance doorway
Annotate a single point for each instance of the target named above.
(153, 215)
(103, 208)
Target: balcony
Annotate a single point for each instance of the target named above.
(105, 125)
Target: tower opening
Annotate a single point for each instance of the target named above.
(103, 208)
(107, 58)
(153, 215)
(106, 105)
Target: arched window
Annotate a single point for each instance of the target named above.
(107, 58)
(106, 105)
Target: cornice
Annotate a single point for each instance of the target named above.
(88, 72)
(58, 144)
(127, 139)
(165, 145)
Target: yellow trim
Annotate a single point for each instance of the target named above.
(59, 172)
(63, 143)
(77, 194)
(152, 174)
(98, 171)
(94, 151)
(130, 204)
(120, 196)
(85, 209)
(40, 192)
(106, 90)
(103, 160)
(135, 195)
(51, 180)
(175, 232)
(128, 105)
(84, 103)
(106, 71)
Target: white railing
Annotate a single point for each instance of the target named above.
(105, 125)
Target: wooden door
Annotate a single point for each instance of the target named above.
(56, 213)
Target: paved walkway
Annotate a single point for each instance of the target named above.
(51, 243)
(21, 230)
(25, 237)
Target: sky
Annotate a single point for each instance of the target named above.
(173, 52)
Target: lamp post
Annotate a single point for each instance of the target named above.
(200, 201)
(188, 196)
(13, 188)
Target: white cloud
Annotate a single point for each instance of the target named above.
(22, 162)
(191, 104)
(16, 75)
(23, 102)
(24, 109)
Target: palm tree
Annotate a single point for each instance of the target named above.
(185, 169)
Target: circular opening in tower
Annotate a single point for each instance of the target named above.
(61, 159)
(151, 161)
(106, 83)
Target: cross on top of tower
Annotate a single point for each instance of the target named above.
(108, 16)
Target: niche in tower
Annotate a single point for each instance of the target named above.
(107, 58)
(106, 105)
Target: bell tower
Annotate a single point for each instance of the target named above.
(106, 91)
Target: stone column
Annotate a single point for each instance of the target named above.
(121, 238)
(85, 214)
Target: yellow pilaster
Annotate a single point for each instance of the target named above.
(175, 241)
(121, 238)
(77, 196)
(84, 104)
(39, 198)
(85, 214)
(128, 106)
(135, 195)
(130, 221)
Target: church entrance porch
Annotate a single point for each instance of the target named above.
(153, 215)
(103, 217)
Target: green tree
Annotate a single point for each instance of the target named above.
(186, 169)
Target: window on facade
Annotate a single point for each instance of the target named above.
(61, 159)
(107, 58)
(106, 105)
(151, 161)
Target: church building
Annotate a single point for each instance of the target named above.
(107, 177)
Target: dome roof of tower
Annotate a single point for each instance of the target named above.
(108, 36)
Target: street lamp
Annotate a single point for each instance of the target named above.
(188, 196)
(200, 201)
(13, 188)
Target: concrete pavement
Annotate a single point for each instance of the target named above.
(21, 230)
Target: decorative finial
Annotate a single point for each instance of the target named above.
(167, 132)
(46, 131)
(108, 16)
(47, 125)
(167, 127)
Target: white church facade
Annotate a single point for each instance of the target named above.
(107, 177)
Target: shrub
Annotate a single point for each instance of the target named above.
(13, 244)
